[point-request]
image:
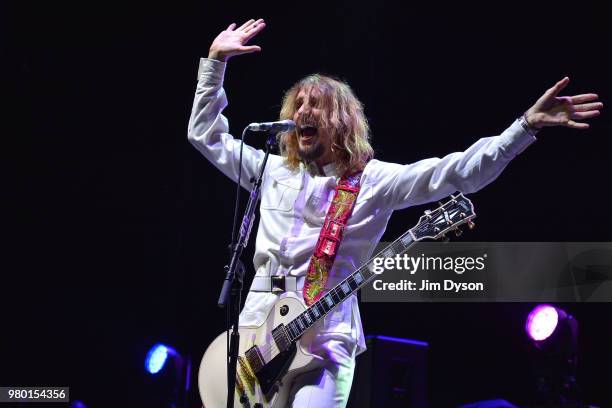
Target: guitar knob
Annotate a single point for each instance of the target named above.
(471, 224)
(244, 400)
(284, 310)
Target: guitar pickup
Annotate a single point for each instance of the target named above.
(254, 358)
(281, 338)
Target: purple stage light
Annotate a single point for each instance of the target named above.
(554, 334)
(542, 322)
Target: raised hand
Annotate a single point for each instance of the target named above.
(232, 40)
(553, 110)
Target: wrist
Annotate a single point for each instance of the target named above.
(216, 55)
(532, 121)
(528, 126)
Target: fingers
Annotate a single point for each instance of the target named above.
(586, 110)
(584, 98)
(249, 25)
(588, 106)
(231, 27)
(257, 25)
(585, 115)
(242, 27)
(577, 125)
(250, 48)
(254, 30)
(558, 87)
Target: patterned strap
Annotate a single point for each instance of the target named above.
(330, 237)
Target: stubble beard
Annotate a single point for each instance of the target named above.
(310, 153)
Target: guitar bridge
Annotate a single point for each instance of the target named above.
(246, 374)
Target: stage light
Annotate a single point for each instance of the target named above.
(541, 322)
(554, 335)
(552, 330)
(170, 377)
(156, 358)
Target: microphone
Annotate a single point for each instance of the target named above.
(280, 126)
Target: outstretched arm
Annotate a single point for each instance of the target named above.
(208, 128)
(471, 170)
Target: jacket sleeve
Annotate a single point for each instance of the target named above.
(208, 128)
(432, 179)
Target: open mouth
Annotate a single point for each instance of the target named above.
(308, 131)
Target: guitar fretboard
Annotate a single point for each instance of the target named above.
(344, 289)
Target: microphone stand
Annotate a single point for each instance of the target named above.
(232, 286)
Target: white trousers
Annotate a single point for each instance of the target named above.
(330, 385)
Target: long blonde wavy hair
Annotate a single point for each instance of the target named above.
(342, 115)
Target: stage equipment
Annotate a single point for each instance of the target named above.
(170, 376)
(391, 373)
(554, 336)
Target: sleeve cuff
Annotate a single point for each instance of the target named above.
(211, 71)
(515, 139)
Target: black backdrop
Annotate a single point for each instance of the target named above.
(115, 228)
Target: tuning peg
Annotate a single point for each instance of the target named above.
(458, 232)
(471, 224)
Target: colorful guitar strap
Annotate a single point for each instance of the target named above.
(330, 237)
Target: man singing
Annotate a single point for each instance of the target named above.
(328, 155)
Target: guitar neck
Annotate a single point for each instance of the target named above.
(346, 288)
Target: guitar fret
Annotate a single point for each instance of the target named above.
(351, 281)
(406, 239)
(398, 247)
(290, 329)
(295, 329)
(367, 273)
(329, 301)
(358, 278)
(307, 317)
(316, 311)
(341, 295)
(345, 288)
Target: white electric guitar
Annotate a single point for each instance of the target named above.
(271, 355)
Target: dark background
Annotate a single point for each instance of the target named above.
(115, 228)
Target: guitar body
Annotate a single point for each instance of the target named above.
(270, 385)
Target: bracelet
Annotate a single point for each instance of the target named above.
(528, 128)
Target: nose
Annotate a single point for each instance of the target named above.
(303, 109)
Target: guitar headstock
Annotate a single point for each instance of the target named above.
(449, 216)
